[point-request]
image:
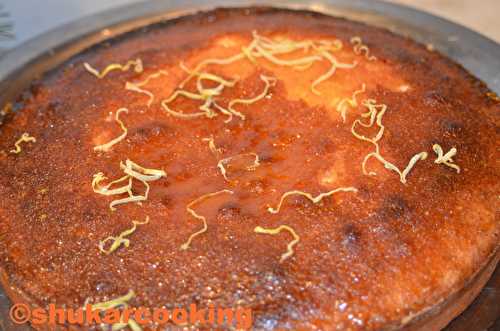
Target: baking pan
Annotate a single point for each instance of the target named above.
(478, 54)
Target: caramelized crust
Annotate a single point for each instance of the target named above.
(367, 260)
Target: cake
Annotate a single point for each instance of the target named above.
(323, 173)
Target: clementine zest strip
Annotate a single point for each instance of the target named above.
(270, 49)
(222, 163)
(204, 63)
(334, 65)
(132, 171)
(193, 213)
(309, 196)
(390, 166)
(211, 145)
(268, 81)
(25, 137)
(352, 102)
(136, 87)
(137, 64)
(106, 147)
(446, 159)
(115, 303)
(206, 95)
(267, 48)
(359, 48)
(375, 114)
(120, 239)
(277, 230)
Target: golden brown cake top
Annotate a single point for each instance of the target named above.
(316, 170)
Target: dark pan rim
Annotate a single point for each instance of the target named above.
(30, 60)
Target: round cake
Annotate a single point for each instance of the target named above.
(319, 172)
